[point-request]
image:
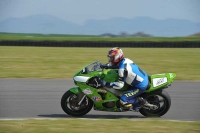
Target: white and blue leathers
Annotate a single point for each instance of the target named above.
(131, 74)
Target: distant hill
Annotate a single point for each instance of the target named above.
(46, 24)
(123, 34)
(196, 35)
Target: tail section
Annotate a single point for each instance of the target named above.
(159, 81)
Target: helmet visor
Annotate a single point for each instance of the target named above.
(110, 58)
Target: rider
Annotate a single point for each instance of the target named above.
(129, 73)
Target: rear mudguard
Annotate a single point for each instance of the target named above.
(160, 81)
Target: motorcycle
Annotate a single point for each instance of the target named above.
(88, 94)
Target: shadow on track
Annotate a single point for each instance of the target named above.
(92, 116)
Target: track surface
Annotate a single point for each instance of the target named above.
(40, 98)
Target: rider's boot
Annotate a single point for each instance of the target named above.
(126, 106)
(130, 107)
(133, 107)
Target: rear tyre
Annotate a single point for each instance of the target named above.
(159, 98)
(70, 105)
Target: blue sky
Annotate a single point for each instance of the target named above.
(78, 11)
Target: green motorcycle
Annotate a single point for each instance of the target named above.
(78, 101)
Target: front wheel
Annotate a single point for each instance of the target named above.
(159, 98)
(69, 104)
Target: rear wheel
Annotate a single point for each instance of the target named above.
(69, 104)
(159, 98)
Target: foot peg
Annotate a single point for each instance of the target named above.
(150, 106)
(145, 104)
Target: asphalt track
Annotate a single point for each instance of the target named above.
(40, 98)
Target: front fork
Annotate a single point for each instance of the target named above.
(80, 95)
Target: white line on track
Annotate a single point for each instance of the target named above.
(11, 119)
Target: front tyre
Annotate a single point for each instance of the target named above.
(159, 98)
(70, 105)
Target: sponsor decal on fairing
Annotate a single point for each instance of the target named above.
(96, 98)
(87, 91)
(159, 81)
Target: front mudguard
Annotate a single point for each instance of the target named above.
(78, 92)
(75, 90)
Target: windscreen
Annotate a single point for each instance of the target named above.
(92, 67)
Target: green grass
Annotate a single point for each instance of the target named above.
(41, 37)
(49, 62)
(98, 126)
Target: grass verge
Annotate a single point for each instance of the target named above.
(49, 62)
(98, 126)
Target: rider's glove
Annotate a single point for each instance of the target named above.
(103, 83)
(97, 82)
(104, 66)
(100, 83)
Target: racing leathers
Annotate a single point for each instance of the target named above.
(131, 74)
